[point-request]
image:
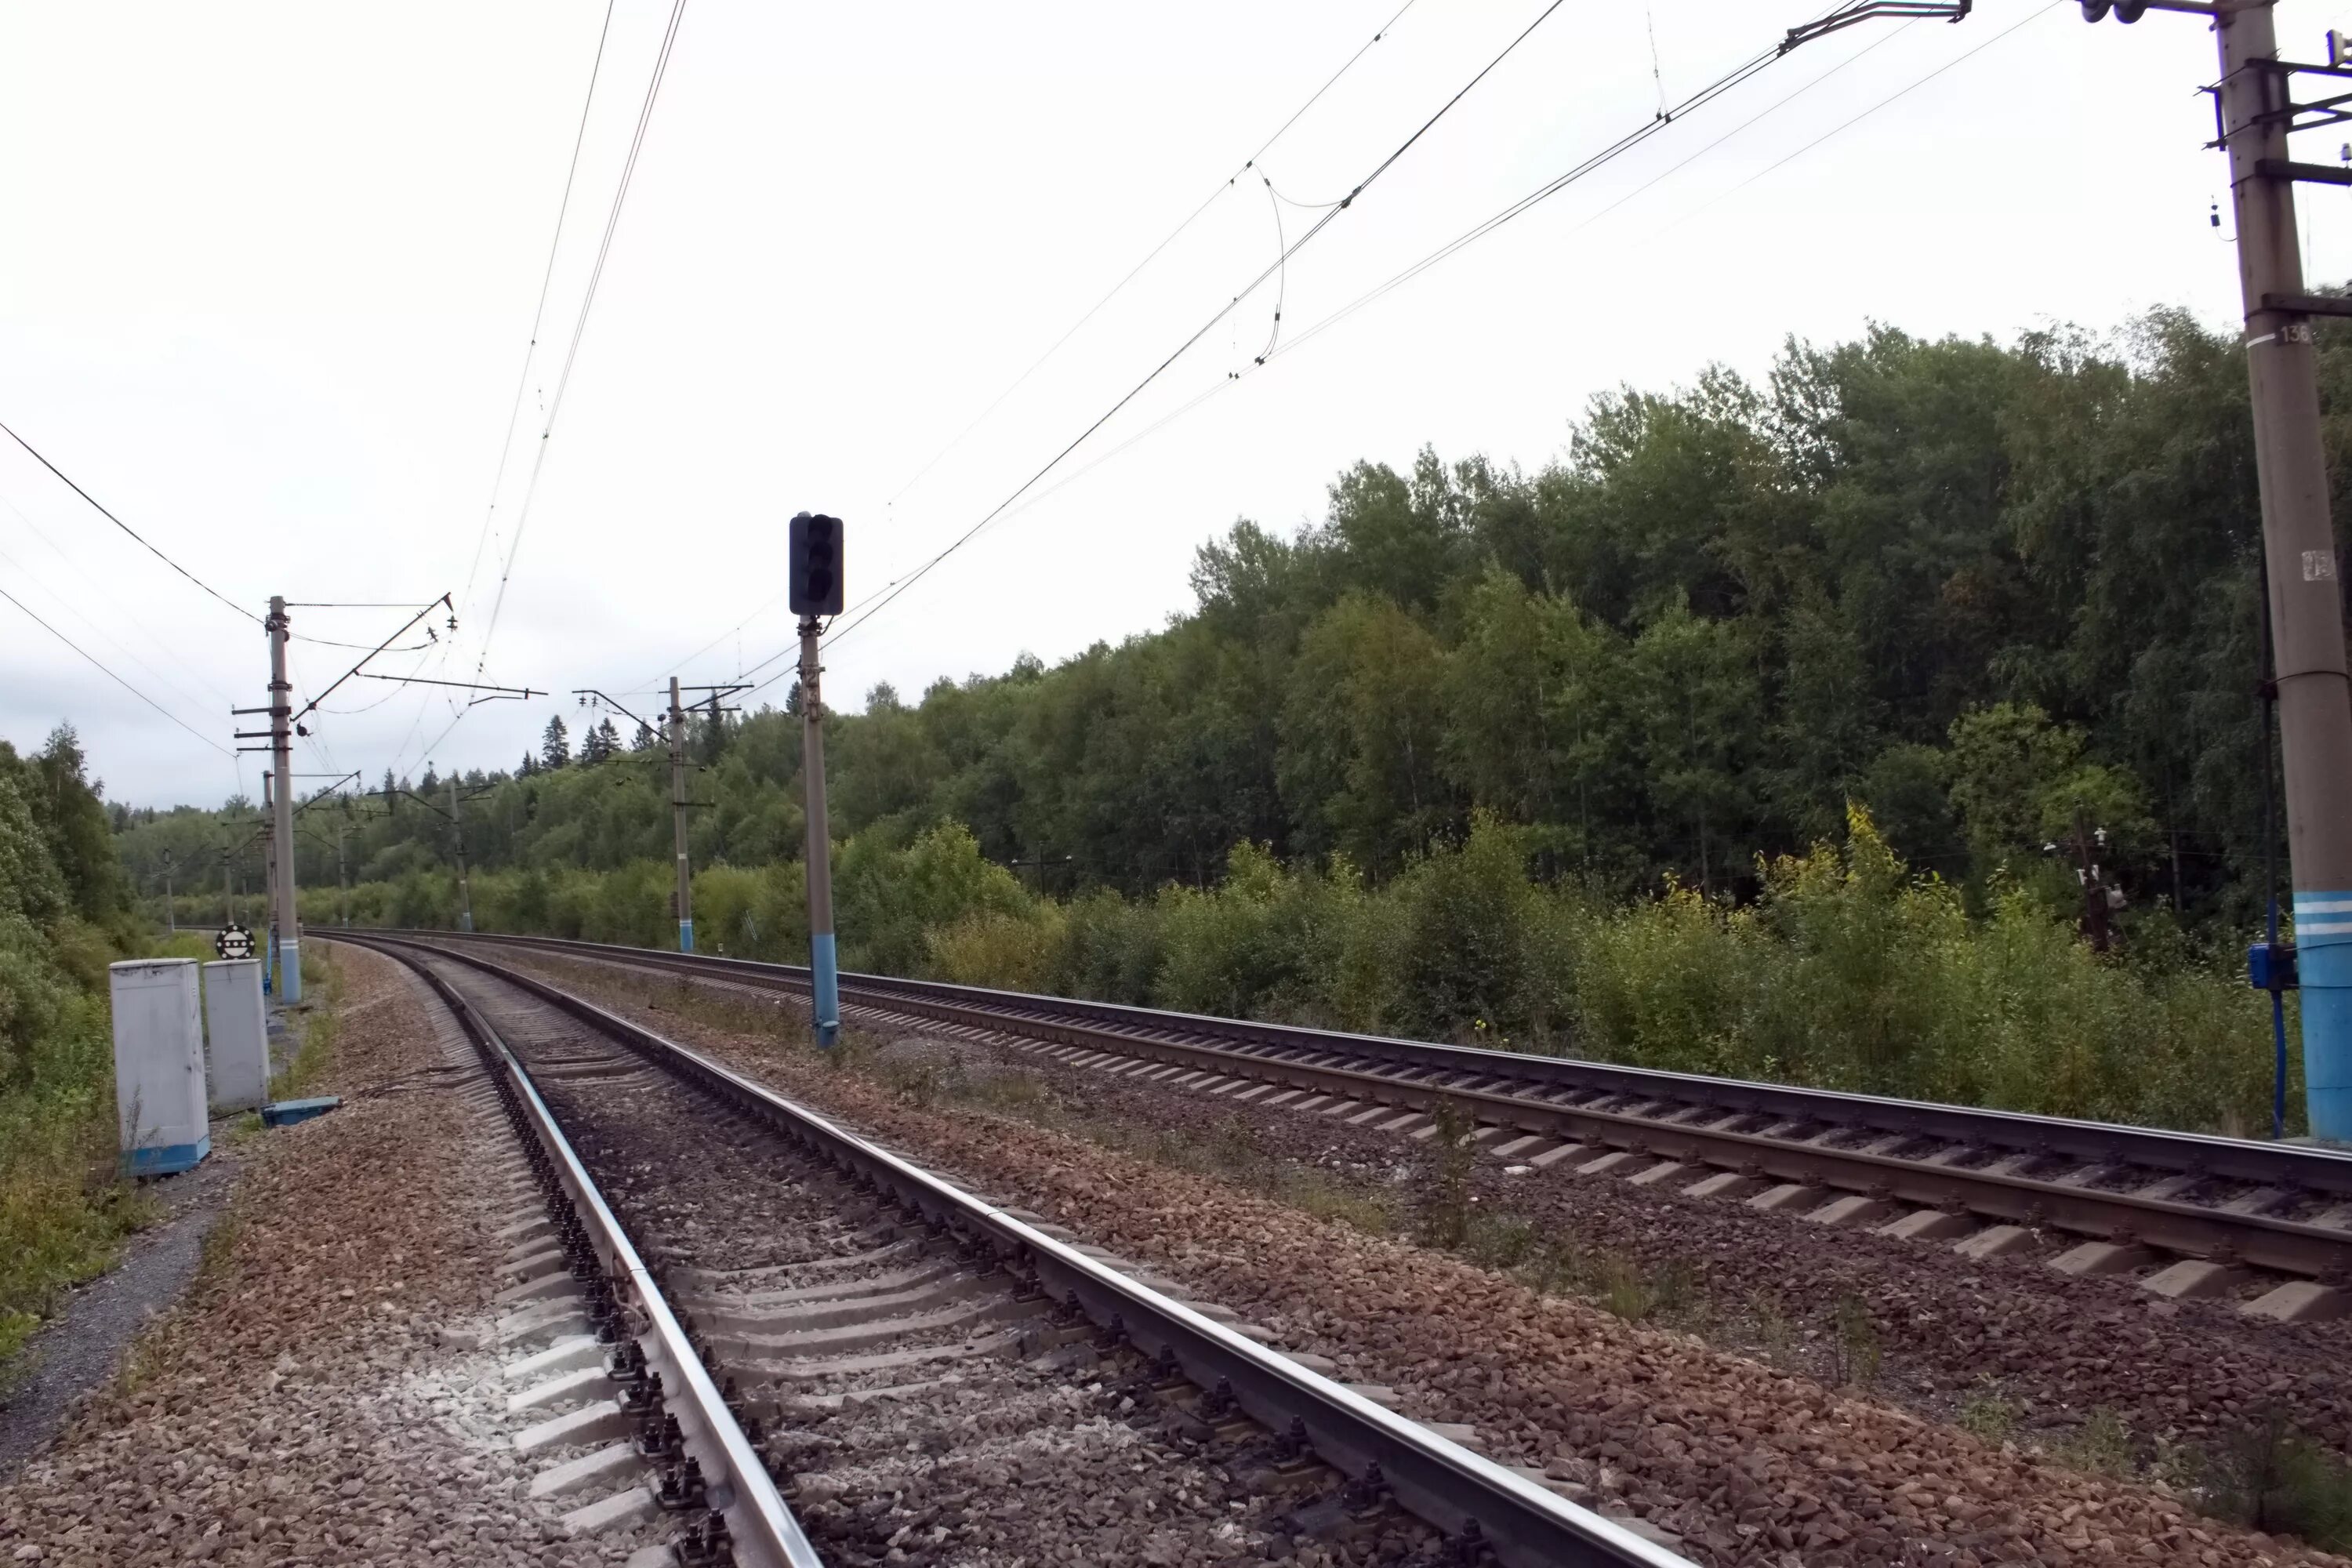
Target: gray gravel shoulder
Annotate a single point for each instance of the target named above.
(317, 1397)
(77, 1351)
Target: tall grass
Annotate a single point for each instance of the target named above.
(64, 1206)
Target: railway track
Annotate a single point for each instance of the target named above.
(597, 1346)
(2188, 1216)
(832, 1355)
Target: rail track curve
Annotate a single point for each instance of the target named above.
(2195, 1214)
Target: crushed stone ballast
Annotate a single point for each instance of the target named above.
(643, 1429)
(1489, 1510)
(2265, 1226)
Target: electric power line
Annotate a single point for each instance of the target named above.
(539, 312)
(1845, 125)
(1095, 310)
(38, 532)
(1615, 150)
(1273, 269)
(579, 326)
(1334, 319)
(126, 528)
(1728, 81)
(522, 379)
(118, 680)
(1655, 126)
(1552, 187)
(1153, 254)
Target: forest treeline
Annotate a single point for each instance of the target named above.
(66, 912)
(2000, 598)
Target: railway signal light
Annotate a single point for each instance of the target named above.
(815, 576)
(2125, 10)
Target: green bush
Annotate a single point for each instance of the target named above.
(1845, 970)
(998, 948)
(1850, 973)
(63, 917)
(1110, 949)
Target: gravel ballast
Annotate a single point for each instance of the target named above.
(1745, 1462)
(312, 1400)
(919, 1410)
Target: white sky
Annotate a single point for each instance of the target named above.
(267, 276)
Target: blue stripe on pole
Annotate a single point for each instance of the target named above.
(826, 982)
(686, 936)
(2323, 943)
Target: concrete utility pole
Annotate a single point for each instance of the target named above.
(824, 976)
(342, 882)
(677, 810)
(170, 915)
(270, 881)
(281, 756)
(2256, 109)
(464, 883)
(2307, 603)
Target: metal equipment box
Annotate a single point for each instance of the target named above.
(159, 1065)
(236, 1034)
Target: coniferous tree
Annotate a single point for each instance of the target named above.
(554, 745)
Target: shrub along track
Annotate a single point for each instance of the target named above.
(1747, 1463)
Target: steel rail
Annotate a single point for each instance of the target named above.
(761, 1530)
(1288, 1055)
(2317, 1167)
(2186, 1229)
(1465, 1494)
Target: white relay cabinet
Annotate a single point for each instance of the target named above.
(159, 1065)
(238, 1034)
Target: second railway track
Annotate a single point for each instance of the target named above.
(915, 1376)
(2189, 1216)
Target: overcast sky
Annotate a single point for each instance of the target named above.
(267, 275)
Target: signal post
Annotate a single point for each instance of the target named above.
(814, 592)
(684, 897)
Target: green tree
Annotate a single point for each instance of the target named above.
(1362, 735)
(1694, 698)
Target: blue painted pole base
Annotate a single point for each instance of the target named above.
(686, 936)
(2323, 942)
(289, 972)
(827, 984)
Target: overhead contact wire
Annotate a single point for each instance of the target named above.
(1153, 254)
(579, 327)
(539, 312)
(1272, 269)
(109, 675)
(126, 528)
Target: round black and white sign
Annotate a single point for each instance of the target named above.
(233, 941)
